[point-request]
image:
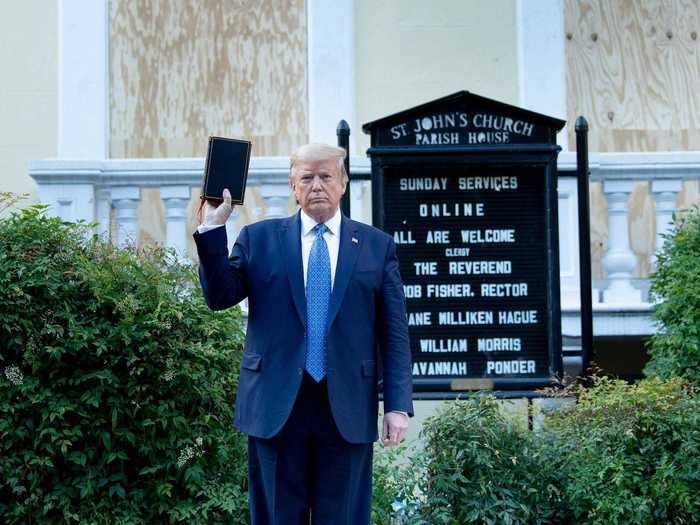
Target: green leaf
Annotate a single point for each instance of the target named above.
(107, 440)
(118, 490)
(77, 457)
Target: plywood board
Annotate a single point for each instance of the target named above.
(633, 70)
(183, 70)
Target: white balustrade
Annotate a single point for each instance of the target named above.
(619, 260)
(176, 199)
(125, 200)
(276, 197)
(91, 189)
(103, 207)
(359, 193)
(70, 203)
(665, 193)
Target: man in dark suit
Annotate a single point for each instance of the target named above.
(326, 307)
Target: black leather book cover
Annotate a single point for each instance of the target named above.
(226, 167)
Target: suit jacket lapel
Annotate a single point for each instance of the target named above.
(348, 251)
(290, 239)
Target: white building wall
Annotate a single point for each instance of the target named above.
(408, 52)
(28, 89)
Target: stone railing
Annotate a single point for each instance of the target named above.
(109, 193)
(638, 193)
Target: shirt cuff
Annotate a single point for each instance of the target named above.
(400, 412)
(203, 228)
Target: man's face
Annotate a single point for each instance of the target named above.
(318, 186)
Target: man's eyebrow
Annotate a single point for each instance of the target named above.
(316, 172)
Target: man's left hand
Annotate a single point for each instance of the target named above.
(395, 426)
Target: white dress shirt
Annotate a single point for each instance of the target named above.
(331, 236)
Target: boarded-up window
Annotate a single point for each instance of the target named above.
(633, 70)
(183, 70)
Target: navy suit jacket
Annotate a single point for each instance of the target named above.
(367, 323)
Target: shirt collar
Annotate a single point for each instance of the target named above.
(307, 223)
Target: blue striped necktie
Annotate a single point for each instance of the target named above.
(318, 295)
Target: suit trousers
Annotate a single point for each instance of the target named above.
(308, 472)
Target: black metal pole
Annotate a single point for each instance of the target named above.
(584, 237)
(343, 133)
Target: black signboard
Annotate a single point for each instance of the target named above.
(467, 188)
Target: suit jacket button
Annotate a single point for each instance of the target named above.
(300, 371)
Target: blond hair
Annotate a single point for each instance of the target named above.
(317, 151)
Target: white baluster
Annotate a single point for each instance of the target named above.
(357, 201)
(276, 196)
(665, 193)
(70, 202)
(125, 200)
(175, 200)
(619, 260)
(103, 205)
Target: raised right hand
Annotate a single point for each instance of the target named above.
(216, 215)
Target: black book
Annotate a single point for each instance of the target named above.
(226, 167)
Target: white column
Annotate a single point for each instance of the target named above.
(331, 75)
(125, 200)
(276, 196)
(70, 202)
(619, 260)
(665, 193)
(176, 199)
(103, 207)
(569, 275)
(542, 59)
(357, 201)
(83, 110)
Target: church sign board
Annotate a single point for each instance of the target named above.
(467, 188)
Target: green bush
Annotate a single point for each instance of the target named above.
(675, 348)
(482, 467)
(396, 494)
(116, 384)
(623, 454)
(629, 454)
(475, 464)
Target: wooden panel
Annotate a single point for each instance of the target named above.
(183, 70)
(151, 217)
(642, 227)
(633, 70)
(690, 195)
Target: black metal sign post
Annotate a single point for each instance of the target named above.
(343, 134)
(584, 235)
(467, 188)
